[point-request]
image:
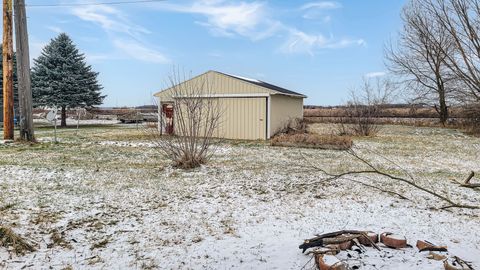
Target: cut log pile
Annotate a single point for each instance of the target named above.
(325, 247)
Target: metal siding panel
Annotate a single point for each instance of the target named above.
(284, 108)
(244, 121)
(241, 119)
(263, 129)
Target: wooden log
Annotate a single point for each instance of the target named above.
(436, 256)
(340, 239)
(427, 246)
(329, 262)
(318, 241)
(368, 239)
(325, 251)
(393, 241)
(456, 263)
(341, 246)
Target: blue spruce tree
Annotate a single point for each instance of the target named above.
(62, 78)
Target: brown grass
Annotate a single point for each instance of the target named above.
(100, 244)
(7, 206)
(311, 140)
(44, 217)
(9, 239)
(58, 239)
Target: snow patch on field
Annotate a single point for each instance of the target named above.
(116, 207)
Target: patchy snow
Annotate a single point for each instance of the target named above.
(119, 205)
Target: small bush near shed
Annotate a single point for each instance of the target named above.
(293, 126)
(311, 140)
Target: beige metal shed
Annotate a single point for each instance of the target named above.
(252, 109)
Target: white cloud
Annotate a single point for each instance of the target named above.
(321, 5)
(140, 52)
(109, 18)
(55, 29)
(125, 35)
(301, 42)
(230, 19)
(316, 10)
(375, 74)
(255, 21)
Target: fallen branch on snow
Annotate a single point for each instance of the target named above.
(336, 238)
(374, 170)
(467, 183)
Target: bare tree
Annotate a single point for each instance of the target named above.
(365, 105)
(461, 19)
(196, 120)
(419, 59)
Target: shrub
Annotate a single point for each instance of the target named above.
(196, 119)
(293, 126)
(311, 140)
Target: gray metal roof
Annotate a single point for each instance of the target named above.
(265, 85)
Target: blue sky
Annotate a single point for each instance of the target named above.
(318, 48)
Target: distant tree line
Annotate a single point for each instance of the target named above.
(437, 55)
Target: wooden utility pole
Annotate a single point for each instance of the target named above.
(7, 71)
(23, 72)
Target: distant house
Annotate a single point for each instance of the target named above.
(252, 109)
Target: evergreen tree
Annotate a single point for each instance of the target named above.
(15, 82)
(62, 78)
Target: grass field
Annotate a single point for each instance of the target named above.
(104, 198)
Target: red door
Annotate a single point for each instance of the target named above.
(168, 113)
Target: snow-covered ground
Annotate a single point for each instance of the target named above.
(117, 204)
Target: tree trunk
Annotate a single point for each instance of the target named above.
(443, 109)
(64, 117)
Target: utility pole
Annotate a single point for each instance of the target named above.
(23, 71)
(7, 71)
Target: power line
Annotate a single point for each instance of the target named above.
(94, 4)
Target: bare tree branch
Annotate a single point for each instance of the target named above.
(373, 170)
(197, 117)
(420, 57)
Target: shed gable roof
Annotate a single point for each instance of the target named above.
(270, 88)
